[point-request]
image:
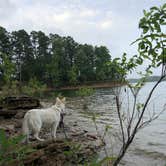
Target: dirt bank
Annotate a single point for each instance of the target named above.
(79, 147)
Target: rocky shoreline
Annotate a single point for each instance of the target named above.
(80, 146)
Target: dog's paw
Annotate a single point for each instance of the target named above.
(54, 139)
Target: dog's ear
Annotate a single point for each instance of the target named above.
(58, 100)
(63, 100)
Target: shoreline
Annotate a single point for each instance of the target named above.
(94, 85)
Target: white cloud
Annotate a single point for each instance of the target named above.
(106, 24)
(110, 23)
(88, 13)
(62, 17)
(6, 8)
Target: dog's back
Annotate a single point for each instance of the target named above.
(36, 118)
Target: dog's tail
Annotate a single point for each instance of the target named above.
(25, 127)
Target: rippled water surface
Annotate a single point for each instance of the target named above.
(149, 146)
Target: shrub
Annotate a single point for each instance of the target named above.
(33, 88)
(11, 149)
(85, 91)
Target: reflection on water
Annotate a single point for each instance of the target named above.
(149, 146)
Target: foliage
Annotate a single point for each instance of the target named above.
(34, 87)
(11, 150)
(52, 59)
(104, 161)
(74, 152)
(10, 90)
(151, 44)
(7, 68)
(151, 48)
(85, 91)
(72, 74)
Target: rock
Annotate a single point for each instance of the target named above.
(7, 127)
(20, 114)
(85, 131)
(1, 118)
(75, 124)
(92, 136)
(78, 133)
(98, 144)
(10, 127)
(21, 102)
(8, 114)
(18, 123)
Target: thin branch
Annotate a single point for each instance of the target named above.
(120, 119)
(132, 116)
(135, 130)
(145, 106)
(154, 117)
(98, 134)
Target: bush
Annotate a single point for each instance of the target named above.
(34, 88)
(11, 149)
(85, 91)
(10, 90)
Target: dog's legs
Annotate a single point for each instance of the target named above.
(27, 138)
(36, 135)
(53, 131)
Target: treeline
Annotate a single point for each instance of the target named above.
(148, 79)
(52, 59)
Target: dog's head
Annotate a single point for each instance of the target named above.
(61, 103)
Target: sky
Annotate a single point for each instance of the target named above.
(112, 23)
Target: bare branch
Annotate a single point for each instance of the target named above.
(145, 106)
(154, 117)
(120, 119)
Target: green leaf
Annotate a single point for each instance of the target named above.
(163, 7)
(155, 8)
(158, 64)
(157, 26)
(106, 159)
(163, 23)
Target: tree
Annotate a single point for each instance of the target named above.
(72, 74)
(5, 45)
(70, 47)
(81, 63)
(53, 59)
(102, 57)
(41, 51)
(90, 62)
(7, 69)
(59, 63)
(151, 47)
(22, 54)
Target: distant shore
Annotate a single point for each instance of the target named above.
(107, 84)
(149, 79)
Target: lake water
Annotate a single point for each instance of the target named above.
(149, 145)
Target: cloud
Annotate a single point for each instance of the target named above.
(6, 8)
(103, 23)
(106, 24)
(66, 20)
(62, 17)
(88, 13)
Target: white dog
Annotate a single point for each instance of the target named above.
(49, 117)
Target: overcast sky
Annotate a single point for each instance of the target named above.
(113, 23)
